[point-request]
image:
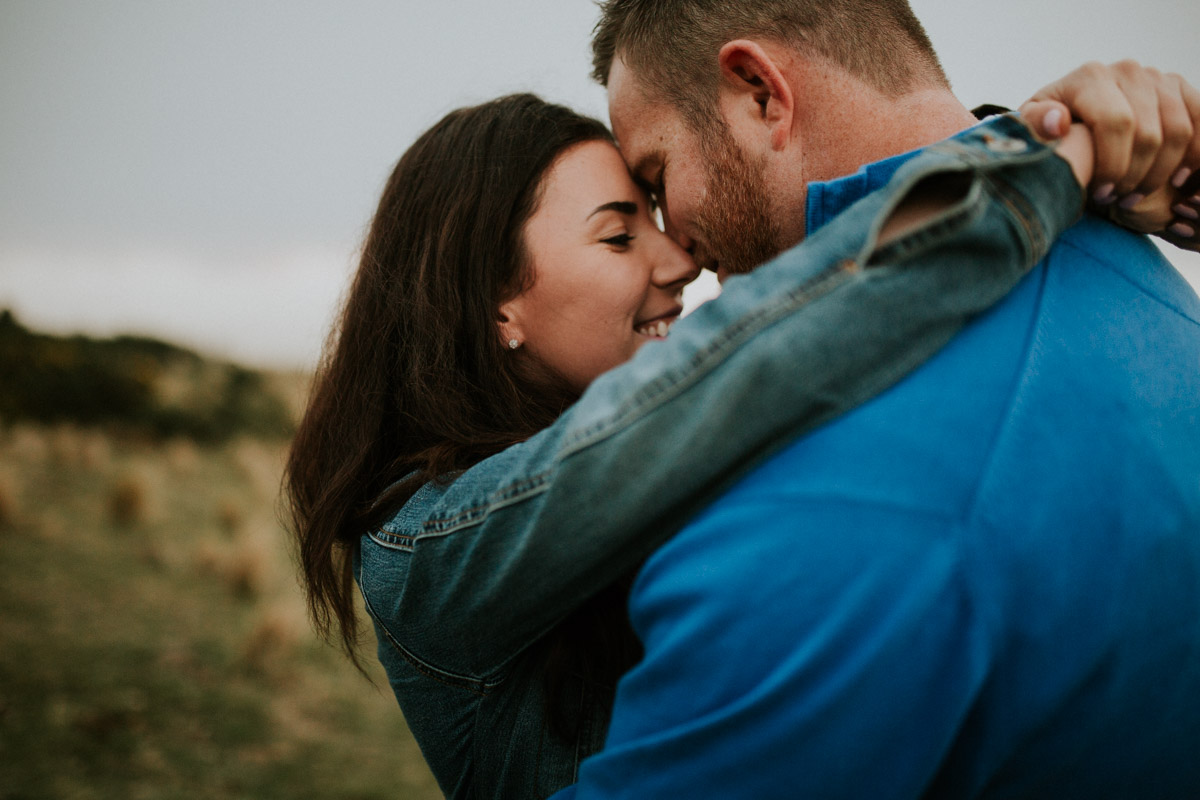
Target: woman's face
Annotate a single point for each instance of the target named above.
(606, 280)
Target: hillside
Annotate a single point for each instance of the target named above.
(154, 639)
(134, 384)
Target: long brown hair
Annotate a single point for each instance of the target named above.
(415, 382)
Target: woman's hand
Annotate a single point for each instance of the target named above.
(1146, 126)
(1077, 148)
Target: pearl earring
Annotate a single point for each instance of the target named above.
(513, 344)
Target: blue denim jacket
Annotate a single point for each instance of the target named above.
(471, 572)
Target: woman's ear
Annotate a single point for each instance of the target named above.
(508, 323)
(756, 97)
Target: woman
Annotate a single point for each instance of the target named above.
(512, 261)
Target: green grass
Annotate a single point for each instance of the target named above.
(162, 652)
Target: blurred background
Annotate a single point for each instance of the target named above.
(201, 173)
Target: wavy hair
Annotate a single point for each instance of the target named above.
(415, 383)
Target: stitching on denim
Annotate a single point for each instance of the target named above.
(509, 495)
(475, 686)
(393, 541)
(1022, 213)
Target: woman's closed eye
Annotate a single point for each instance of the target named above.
(620, 240)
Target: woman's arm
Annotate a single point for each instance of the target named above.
(514, 544)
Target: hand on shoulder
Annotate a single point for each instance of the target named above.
(1146, 129)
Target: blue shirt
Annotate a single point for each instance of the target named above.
(985, 582)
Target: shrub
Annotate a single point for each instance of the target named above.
(127, 502)
(142, 384)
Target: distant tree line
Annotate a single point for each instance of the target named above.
(132, 382)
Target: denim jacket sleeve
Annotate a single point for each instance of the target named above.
(509, 547)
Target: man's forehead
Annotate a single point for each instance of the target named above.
(637, 121)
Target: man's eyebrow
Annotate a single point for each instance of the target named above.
(620, 206)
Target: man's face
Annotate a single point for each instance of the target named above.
(711, 194)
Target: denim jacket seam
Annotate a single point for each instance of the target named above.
(1020, 213)
(476, 686)
(475, 515)
(393, 541)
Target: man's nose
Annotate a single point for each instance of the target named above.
(677, 234)
(674, 267)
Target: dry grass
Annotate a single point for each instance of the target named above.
(182, 456)
(247, 567)
(261, 465)
(248, 572)
(26, 444)
(230, 516)
(128, 501)
(174, 660)
(9, 508)
(70, 447)
(274, 641)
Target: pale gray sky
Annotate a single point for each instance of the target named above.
(203, 170)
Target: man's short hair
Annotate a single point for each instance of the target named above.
(671, 45)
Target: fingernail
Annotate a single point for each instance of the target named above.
(1052, 121)
(1186, 211)
(1104, 195)
(1196, 199)
(1181, 177)
(1131, 200)
(1183, 229)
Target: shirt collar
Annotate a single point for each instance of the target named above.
(827, 199)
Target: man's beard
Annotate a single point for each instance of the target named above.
(734, 224)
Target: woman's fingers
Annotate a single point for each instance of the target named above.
(1187, 178)
(1175, 132)
(1049, 119)
(1144, 92)
(1094, 96)
(1077, 149)
(1146, 125)
(1184, 228)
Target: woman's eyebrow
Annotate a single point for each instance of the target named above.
(620, 206)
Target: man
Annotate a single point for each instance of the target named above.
(985, 582)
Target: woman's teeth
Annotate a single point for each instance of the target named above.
(658, 329)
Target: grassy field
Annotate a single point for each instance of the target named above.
(153, 642)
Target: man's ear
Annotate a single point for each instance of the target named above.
(754, 90)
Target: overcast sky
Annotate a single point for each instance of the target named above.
(203, 170)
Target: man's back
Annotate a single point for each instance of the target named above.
(984, 582)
